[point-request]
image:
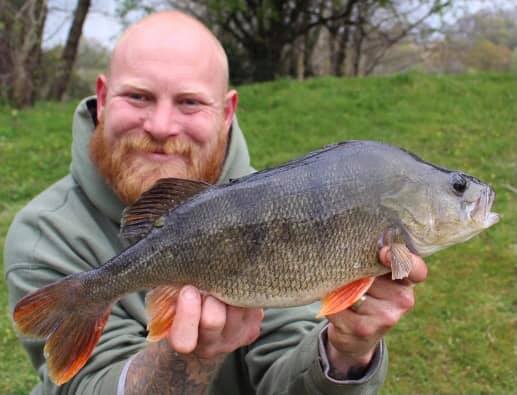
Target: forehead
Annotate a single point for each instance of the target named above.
(165, 57)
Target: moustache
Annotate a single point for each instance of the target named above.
(145, 144)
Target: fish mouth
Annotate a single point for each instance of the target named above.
(479, 211)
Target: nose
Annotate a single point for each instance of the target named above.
(160, 121)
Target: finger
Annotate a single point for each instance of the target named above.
(397, 293)
(242, 326)
(213, 319)
(183, 335)
(418, 273)
(234, 324)
(254, 315)
(372, 319)
(384, 256)
(253, 320)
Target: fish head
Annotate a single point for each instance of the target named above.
(443, 208)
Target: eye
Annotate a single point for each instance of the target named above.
(459, 183)
(190, 105)
(137, 96)
(190, 102)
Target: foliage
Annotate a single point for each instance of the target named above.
(92, 60)
(64, 71)
(269, 39)
(482, 40)
(20, 49)
(460, 337)
(485, 55)
(23, 79)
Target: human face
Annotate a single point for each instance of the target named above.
(164, 112)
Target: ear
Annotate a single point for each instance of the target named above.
(230, 107)
(101, 89)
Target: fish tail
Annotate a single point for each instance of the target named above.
(59, 313)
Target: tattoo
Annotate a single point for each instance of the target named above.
(159, 370)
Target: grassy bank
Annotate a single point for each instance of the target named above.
(459, 339)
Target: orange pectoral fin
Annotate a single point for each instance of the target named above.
(344, 297)
(161, 309)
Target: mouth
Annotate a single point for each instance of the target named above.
(160, 155)
(479, 210)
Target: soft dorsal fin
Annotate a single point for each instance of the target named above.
(167, 193)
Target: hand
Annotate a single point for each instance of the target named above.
(209, 328)
(354, 335)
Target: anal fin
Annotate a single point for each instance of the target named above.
(344, 297)
(161, 309)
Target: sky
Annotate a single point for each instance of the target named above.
(100, 23)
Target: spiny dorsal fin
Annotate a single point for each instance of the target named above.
(167, 193)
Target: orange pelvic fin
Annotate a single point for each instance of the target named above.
(344, 297)
(161, 309)
(57, 312)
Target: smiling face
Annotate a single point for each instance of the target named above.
(164, 108)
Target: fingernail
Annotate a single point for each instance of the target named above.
(188, 293)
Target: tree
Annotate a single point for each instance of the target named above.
(359, 44)
(279, 37)
(65, 66)
(360, 32)
(482, 40)
(485, 55)
(21, 30)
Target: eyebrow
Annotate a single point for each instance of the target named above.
(133, 85)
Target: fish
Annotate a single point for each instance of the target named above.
(307, 230)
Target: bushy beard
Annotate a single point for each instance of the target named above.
(130, 174)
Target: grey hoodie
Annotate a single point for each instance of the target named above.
(73, 227)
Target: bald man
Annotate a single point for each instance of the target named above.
(164, 109)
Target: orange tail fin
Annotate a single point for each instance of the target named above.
(345, 296)
(161, 309)
(72, 328)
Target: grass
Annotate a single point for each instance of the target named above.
(460, 337)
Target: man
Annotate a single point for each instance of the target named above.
(164, 110)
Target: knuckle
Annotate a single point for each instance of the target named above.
(230, 347)
(212, 321)
(364, 330)
(389, 318)
(181, 347)
(252, 336)
(407, 300)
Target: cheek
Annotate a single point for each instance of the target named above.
(120, 119)
(203, 129)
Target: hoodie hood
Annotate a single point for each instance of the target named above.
(84, 172)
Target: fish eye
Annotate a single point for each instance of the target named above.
(459, 183)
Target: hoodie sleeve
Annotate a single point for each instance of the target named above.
(287, 359)
(42, 247)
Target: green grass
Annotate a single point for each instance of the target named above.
(460, 337)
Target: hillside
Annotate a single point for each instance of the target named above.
(460, 336)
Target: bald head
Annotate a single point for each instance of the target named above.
(173, 34)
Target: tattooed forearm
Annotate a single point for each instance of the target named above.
(158, 370)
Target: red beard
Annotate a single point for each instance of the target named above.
(129, 174)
